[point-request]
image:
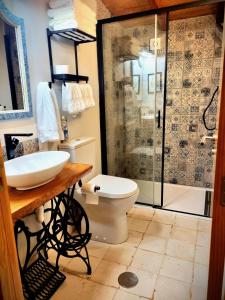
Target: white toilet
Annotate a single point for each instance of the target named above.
(108, 218)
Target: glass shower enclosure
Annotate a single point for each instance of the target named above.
(132, 64)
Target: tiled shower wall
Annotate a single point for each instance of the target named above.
(194, 62)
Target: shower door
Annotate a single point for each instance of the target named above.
(132, 78)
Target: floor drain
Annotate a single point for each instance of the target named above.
(128, 279)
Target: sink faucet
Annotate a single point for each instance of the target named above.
(11, 143)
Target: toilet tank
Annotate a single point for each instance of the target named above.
(82, 150)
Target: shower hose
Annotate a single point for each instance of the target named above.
(205, 111)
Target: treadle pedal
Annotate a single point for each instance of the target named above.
(41, 280)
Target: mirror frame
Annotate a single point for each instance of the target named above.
(18, 23)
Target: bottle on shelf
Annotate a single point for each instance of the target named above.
(65, 128)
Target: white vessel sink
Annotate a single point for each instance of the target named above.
(36, 169)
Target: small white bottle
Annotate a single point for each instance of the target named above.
(65, 128)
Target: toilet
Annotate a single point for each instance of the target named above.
(117, 195)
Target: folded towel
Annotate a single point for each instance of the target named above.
(60, 3)
(55, 24)
(61, 12)
(87, 95)
(72, 100)
(48, 116)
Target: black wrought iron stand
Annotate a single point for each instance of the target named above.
(66, 232)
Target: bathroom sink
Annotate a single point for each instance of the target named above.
(36, 169)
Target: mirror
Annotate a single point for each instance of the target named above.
(15, 97)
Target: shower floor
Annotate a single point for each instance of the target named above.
(176, 197)
(185, 198)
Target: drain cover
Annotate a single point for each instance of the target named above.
(128, 279)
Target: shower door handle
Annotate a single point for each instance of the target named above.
(159, 119)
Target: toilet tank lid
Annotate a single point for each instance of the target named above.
(76, 143)
(115, 187)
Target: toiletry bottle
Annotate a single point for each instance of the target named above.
(65, 128)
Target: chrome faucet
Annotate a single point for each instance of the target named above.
(11, 143)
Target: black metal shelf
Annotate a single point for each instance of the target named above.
(70, 77)
(78, 37)
(74, 34)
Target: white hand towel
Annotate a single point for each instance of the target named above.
(90, 95)
(59, 3)
(48, 116)
(87, 95)
(61, 24)
(61, 12)
(72, 100)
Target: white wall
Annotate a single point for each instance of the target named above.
(35, 17)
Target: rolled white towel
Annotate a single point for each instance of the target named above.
(59, 3)
(60, 12)
(55, 24)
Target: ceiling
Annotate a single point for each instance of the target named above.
(123, 7)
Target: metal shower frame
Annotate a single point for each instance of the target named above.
(99, 27)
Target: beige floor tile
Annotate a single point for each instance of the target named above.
(141, 213)
(159, 229)
(200, 275)
(121, 295)
(198, 293)
(163, 216)
(134, 238)
(202, 255)
(63, 261)
(120, 254)
(177, 268)
(203, 239)
(137, 225)
(153, 243)
(69, 289)
(205, 225)
(146, 283)
(180, 249)
(148, 261)
(171, 289)
(78, 267)
(184, 234)
(108, 272)
(92, 291)
(97, 249)
(188, 222)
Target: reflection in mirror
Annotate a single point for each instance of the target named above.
(10, 83)
(15, 97)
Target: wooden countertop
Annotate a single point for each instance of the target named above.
(23, 203)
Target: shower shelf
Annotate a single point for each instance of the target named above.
(78, 37)
(127, 58)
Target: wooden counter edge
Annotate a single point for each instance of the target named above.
(24, 203)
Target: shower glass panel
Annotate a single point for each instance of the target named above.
(134, 54)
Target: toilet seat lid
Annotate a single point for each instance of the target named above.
(114, 187)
